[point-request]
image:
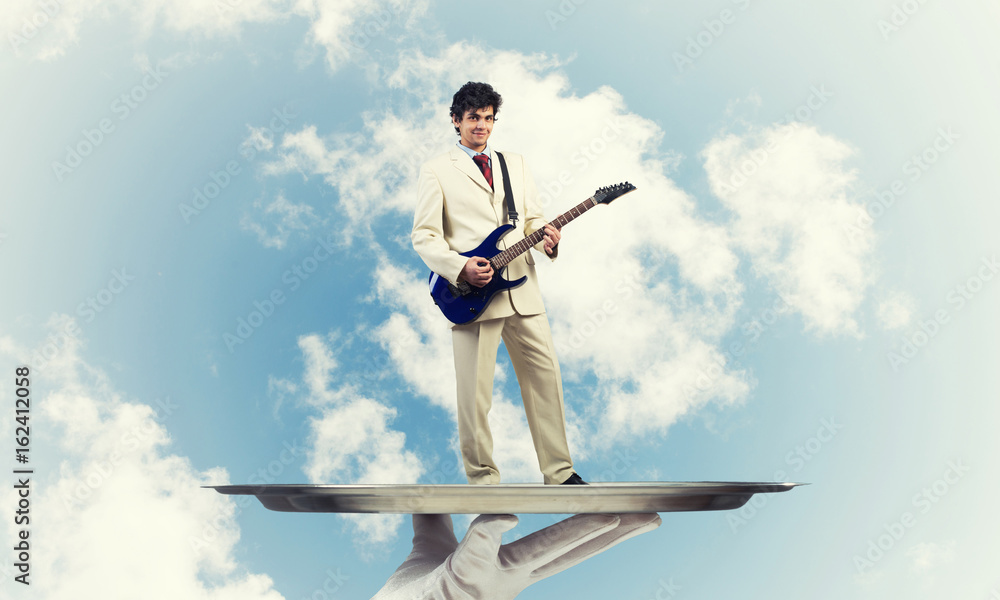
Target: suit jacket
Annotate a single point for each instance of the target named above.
(456, 210)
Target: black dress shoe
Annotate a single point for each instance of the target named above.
(574, 479)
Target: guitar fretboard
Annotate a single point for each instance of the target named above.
(502, 259)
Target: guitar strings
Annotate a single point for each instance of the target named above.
(506, 256)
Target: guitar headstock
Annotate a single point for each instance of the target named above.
(606, 194)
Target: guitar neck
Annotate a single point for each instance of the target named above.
(504, 258)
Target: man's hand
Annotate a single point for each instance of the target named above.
(552, 236)
(477, 271)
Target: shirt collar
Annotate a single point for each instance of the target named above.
(472, 152)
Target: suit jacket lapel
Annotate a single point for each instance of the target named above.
(465, 164)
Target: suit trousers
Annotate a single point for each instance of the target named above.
(529, 343)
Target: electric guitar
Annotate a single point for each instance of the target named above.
(462, 303)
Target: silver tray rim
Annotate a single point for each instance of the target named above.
(525, 498)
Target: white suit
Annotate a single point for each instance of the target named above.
(456, 211)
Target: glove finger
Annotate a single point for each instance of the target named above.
(433, 536)
(481, 544)
(546, 545)
(629, 526)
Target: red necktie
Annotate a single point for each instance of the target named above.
(484, 165)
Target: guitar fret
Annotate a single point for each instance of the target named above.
(505, 257)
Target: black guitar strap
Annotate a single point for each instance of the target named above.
(511, 211)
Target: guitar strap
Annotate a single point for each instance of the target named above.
(511, 211)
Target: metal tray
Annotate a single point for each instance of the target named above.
(506, 498)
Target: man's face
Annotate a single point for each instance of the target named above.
(475, 127)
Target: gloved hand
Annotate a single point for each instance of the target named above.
(439, 568)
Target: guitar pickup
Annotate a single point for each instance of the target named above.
(459, 290)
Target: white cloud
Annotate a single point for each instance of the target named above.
(896, 311)
(259, 138)
(926, 557)
(350, 438)
(354, 445)
(47, 29)
(275, 223)
(280, 389)
(417, 338)
(121, 507)
(346, 28)
(796, 216)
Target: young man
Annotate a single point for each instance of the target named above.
(459, 203)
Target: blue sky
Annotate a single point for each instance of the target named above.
(803, 286)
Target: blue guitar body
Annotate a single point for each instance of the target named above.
(464, 303)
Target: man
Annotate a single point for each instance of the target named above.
(458, 205)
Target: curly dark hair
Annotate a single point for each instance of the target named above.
(474, 96)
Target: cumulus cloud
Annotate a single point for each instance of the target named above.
(896, 311)
(276, 222)
(346, 28)
(351, 440)
(793, 202)
(116, 473)
(927, 556)
(46, 30)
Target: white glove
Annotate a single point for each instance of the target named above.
(439, 568)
